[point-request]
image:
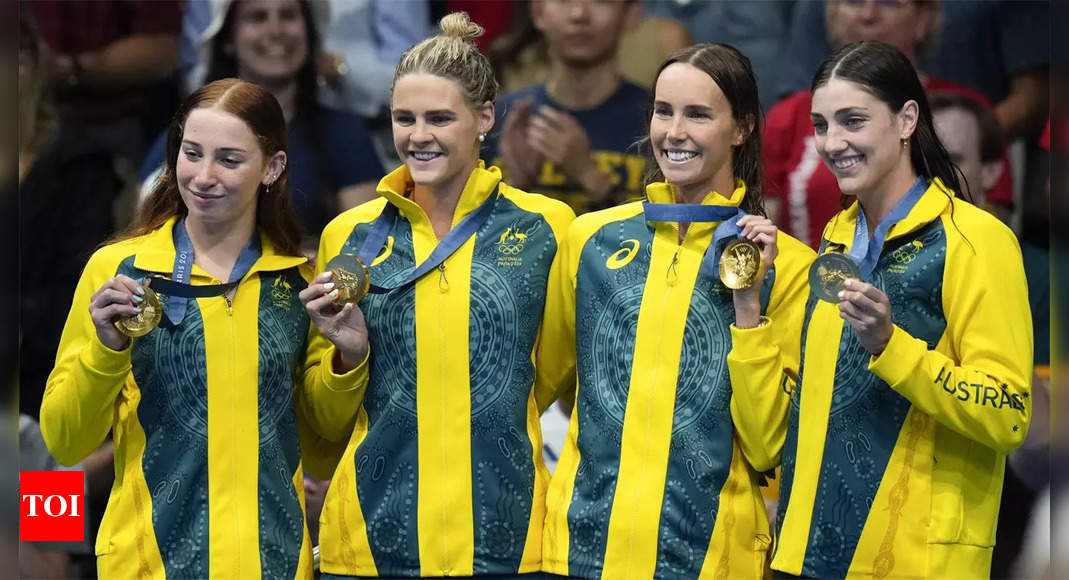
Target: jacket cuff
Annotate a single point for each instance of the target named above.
(899, 357)
(105, 361)
(752, 343)
(348, 381)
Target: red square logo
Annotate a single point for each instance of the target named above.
(52, 506)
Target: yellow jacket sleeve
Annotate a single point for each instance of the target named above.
(328, 401)
(78, 407)
(555, 374)
(982, 389)
(763, 362)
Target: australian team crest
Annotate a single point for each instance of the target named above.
(511, 243)
(282, 293)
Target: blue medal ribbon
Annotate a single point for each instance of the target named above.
(865, 252)
(452, 241)
(728, 216)
(179, 291)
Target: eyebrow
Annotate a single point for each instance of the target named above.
(224, 149)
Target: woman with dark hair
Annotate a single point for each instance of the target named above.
(276, 45)
(917, 354)
(208, 442)
(678, 374)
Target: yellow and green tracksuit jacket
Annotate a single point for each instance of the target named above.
(208, 443)
(658, 476)
(443, 473)
(893, 464)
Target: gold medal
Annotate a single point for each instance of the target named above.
(829, 272)
(740, 263)
(351, 277)
(145, 321)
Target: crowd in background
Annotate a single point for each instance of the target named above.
(99, 81)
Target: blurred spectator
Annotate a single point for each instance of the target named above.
(362, 46)
(971, 135)
(275, 44)
(521, 58)
(573, 137)
(66, 190)
(758, 29)
(1000, 48)
(801, 193)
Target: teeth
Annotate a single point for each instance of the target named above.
(425, 156)
(846, 162)
(680, 155)
(275, 51)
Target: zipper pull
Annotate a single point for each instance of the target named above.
(672, 275)
(229, 304)
(443, 283)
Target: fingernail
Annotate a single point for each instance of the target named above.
(328, 286)
(334, 294)
(137, 310)
(138, 298)
(846, 283)
(140, 290)
(842, 294)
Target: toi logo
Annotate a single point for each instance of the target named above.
(52, 506)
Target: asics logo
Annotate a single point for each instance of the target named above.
(623, 256)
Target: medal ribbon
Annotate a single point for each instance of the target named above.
(449, 244)
(864, 252)
(689, 212)
(178, 289)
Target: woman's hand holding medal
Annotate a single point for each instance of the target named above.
(761, 231)
(868, 311)
(120, 297)
(342, 323)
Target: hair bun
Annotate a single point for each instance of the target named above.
(459, 25)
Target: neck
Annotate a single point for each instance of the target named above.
(440, 201)
(285, 92)
(582, 88)
(723, 183)
(216, 246)
(880, 201)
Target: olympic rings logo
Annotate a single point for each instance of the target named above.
(510, 249)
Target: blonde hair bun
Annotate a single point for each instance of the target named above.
(459, 25)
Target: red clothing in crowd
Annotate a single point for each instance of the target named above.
(796, 175)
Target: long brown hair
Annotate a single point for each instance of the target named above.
(263, 115)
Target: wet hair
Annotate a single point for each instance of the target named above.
(453, 55)
(884, 72)
(990, 135)
(731, 71)
(263, 116)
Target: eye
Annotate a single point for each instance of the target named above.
(191, 154)
(230, 161)
(854, 123)
(440, 119)
(820, 127)
(662, 111)
(403, 119)
(697, 114)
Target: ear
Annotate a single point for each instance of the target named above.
(907, 119)
(274, 168)
(536, 15)
(990, 173)
(484, 115)
(743, 129)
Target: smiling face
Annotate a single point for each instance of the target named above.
(693, 132)
(435, 131)
(221, 166)
(859, 137)
(270, 40)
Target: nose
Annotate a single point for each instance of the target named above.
(832, 141)
(578, 9)
(677, 129)
(421, 133)
(869, 10)
(205, 176)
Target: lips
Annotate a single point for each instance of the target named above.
(846, 162)
(206, 196)
(425, 155)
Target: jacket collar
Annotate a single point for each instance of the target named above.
(664, 192)
(397, 184)
(929, 207)
(156, 253)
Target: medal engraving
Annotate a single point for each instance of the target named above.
(829, 272)
(145, 321)
(351, 277)
(740, 263)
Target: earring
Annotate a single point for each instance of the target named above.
(905, 142)
(482, 137)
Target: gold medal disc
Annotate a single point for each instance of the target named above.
(829, 272)
(351, 277)
(740, 263)
(145, 321)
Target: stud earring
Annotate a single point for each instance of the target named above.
(482, 137)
